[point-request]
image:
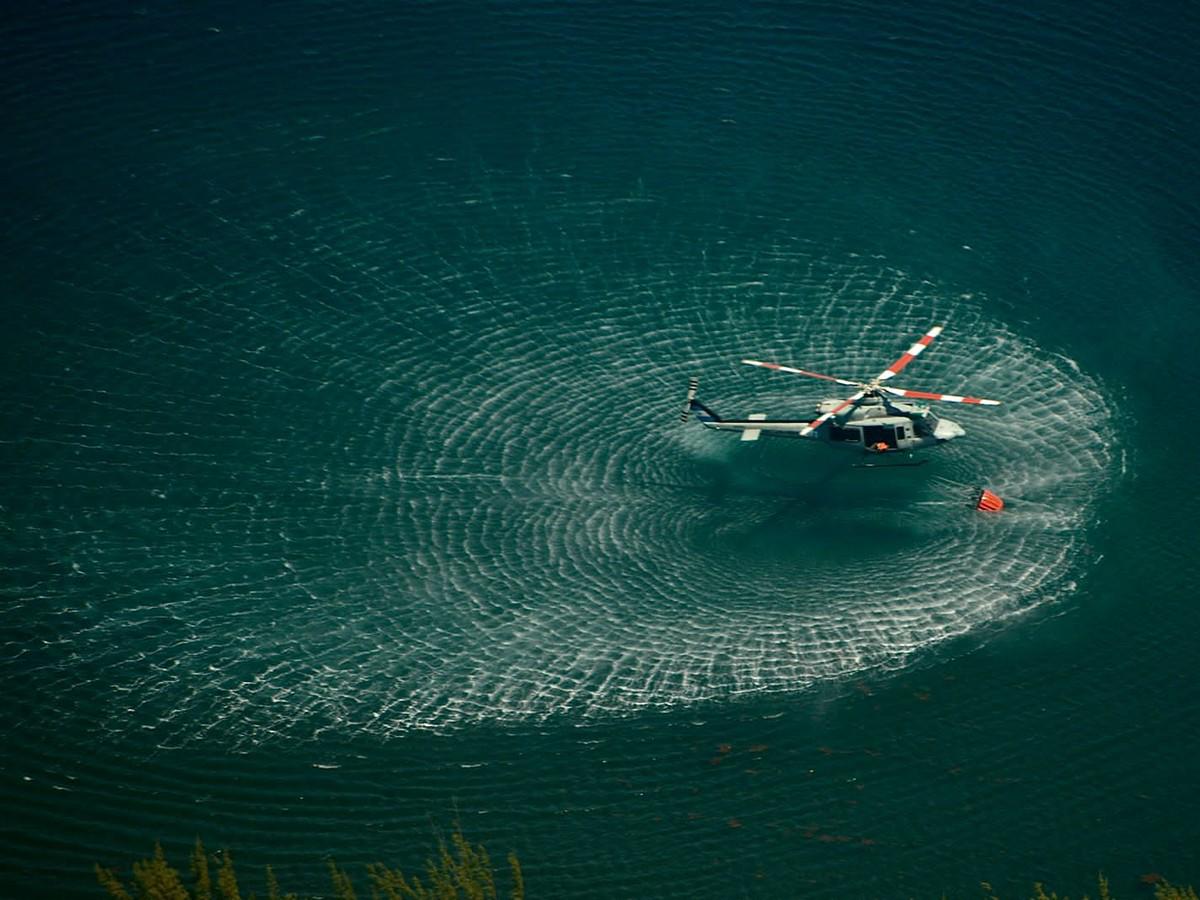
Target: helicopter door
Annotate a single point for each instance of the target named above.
(880, 434)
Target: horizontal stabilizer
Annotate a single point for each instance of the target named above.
(752, 434)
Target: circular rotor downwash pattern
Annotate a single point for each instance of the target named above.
(429, 473)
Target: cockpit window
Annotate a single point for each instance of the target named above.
(927, 423)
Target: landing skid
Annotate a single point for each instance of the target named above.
(891, 465)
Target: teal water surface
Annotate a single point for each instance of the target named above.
(345, 496)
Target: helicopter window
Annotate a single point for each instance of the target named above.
(849, 435)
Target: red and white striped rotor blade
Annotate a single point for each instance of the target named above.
(913, 352)
(825, 417)
(945, 398)
(776, 367)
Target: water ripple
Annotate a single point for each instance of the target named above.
(421, 478)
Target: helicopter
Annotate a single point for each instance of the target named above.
(868, 421)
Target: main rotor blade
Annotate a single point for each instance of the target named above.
(776, 367)
(913, 352)
(825, 417)
(946, 398)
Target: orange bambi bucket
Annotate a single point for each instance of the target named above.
(989, 502)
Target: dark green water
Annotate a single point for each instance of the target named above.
(344, 493)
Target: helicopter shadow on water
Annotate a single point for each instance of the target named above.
(811, 505)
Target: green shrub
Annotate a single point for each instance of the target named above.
(459, 870)
(1163, 890)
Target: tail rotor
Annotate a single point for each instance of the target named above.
(693, 386)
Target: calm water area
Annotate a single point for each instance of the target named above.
(344, 496)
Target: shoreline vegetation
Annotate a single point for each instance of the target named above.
(1163, 890)
(459, 870)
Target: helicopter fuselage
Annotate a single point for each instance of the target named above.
(874, 425)
(880, 426)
